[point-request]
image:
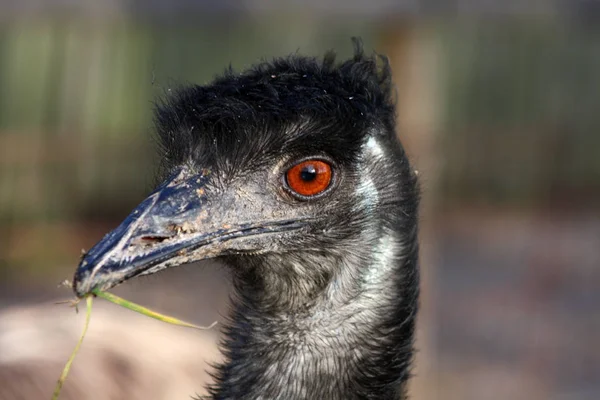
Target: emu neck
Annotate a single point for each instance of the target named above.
(335, 327)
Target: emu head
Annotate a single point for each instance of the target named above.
(288, 172)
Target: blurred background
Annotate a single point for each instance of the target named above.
(498, 108)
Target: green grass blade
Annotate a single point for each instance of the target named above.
(67, 368)
(146, 311)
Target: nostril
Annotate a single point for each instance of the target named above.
(149, 240)
(153, 238)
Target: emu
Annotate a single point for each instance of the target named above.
(292, 175)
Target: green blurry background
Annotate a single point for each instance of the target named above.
(499, 109)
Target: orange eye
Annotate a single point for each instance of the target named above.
(309, 178)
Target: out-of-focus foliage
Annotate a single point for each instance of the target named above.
(523, 125)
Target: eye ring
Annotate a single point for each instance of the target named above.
(309, 178)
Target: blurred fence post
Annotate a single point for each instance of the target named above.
(415, 60)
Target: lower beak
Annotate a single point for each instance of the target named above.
(175, 225)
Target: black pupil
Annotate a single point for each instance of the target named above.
(308, 173)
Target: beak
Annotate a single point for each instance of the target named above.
(177, 224)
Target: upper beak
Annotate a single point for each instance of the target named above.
(178, 223)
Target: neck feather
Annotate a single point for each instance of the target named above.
(342, 333)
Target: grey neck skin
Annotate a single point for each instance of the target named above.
(341, 334)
